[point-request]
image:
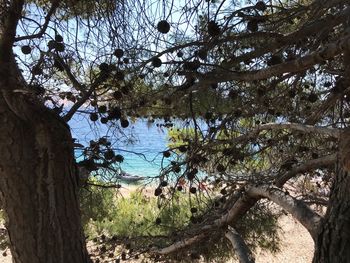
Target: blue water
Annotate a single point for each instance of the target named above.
(141, 144)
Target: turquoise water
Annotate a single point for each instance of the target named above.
(141, 144)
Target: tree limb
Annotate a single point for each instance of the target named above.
(239, 208)
(243, 204)
(308, 166)
(243, 252)
(301, 128)
(179, 245)
(68, 116)
(332, 132)
(298, 209)
(328, 52)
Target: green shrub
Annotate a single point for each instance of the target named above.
(97, 206)
(145, 221)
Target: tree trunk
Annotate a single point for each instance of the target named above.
(38, 185)
(333, 243)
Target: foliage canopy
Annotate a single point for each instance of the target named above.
(251, 82)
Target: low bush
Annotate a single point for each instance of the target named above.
(146, 221)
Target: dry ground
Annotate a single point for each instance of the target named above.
(297, 246)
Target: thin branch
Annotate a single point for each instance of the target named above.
(243, 252)
(68, 116)
(328, 22)
(116, 186)
(51, 11)
(76, 84)
(327, 104)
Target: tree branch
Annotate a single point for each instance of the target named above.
(179, 245)
(86, 95)
(328, 22)
(81, 88)
(328, 52)
(243, 252)
(243, 204)
(239, 208)
(76, 84)
(304, 214)
(308, 166)
(327, 104)
(332, 132)
(51, 11)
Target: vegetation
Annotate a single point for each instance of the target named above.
(137, 221)
(261, 89)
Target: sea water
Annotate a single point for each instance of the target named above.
(141, 144)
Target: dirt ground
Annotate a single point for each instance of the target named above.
(297, 245)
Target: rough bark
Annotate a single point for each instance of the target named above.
(333, 242)
(39, 189)
(38, 183)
